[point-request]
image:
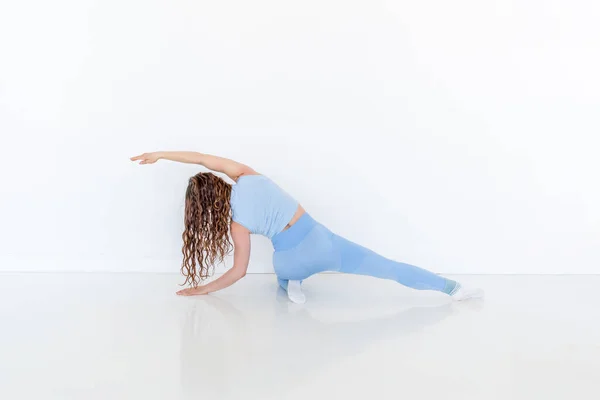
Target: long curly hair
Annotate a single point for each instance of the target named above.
(206, 239)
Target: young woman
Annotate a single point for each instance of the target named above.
(255, 204)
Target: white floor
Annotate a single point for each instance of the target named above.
(127, 336)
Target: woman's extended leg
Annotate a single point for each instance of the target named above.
(319, 250)
(356, 259)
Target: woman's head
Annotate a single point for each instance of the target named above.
(207, 219)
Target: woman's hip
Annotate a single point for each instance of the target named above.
(304, 251)
(295, 234)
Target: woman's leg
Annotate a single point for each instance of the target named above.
(356, 259)
(313, 254)
(283, 283)
(293, 289)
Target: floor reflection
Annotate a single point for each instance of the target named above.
(266, 353)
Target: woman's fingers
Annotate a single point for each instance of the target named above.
(189, 292)
(146, 158)
(143, 159)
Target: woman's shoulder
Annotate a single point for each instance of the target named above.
(252, 175)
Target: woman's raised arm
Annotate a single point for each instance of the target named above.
(232, 169)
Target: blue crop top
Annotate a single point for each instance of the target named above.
(261, 206)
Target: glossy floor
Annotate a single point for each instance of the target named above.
(127, 336)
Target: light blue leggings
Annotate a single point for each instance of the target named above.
(307, 248)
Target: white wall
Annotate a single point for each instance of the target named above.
(460, 136)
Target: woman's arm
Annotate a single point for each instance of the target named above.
(241, 256)
(232, 169)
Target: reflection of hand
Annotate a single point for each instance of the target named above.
(193, 291)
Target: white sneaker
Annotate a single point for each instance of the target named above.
(294, 292)
(463, 293)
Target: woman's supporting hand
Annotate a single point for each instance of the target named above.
(147, 158)
(241, 257)
(193, 291)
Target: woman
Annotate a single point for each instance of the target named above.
(255, 204)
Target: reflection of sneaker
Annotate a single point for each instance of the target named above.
(463, 293)
(294, 292)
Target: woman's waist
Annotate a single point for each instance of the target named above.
(297, 215)
(297, 229)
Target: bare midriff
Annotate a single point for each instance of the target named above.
(299, 212)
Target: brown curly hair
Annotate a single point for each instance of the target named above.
(206, 239)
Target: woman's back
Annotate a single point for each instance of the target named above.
(261, 206)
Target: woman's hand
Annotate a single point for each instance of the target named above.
(147, 158)
(193, 291)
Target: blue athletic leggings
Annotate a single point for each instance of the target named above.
(307, 248)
